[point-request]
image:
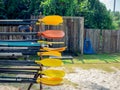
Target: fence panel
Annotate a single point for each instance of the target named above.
(94, 37)
(118, 41)
(113, 41)
(106, 41)
(72, 26)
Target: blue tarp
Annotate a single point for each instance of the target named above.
(88, 49)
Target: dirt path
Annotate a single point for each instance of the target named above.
(85, 80)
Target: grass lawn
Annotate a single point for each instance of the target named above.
(107, 62)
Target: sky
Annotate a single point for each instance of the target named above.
(110, 3)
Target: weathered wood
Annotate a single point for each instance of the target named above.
(108, 41)
(113, 41)
(96, 43)
(81, 35)
(106, 34)
(118, 41)
(72, 26)
(94, 37)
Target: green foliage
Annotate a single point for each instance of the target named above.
(116, 20)
(95, 13)
(2, 10)
(97, 16)
(33, 7)
(60, 7)
(13, 9)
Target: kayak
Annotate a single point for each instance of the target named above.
(20, 44)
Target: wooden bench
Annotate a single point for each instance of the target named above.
(63, 58)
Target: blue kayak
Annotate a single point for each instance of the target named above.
(20, 44)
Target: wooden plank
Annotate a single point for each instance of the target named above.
(97, 40)
(66, 33)
(69, 34)
(113, 41)
(65, 39)
(118, 41)
(81, 38)
(75, 34)
(106, 35)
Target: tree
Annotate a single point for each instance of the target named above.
(94, 12)
(12, 8)
(60, 7)
(20, 9)
(2, 10)
(116, 20)
(100, 17)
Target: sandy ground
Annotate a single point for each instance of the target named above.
(81, 80)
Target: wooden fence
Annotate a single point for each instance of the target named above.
(104, 41)
(72, 26)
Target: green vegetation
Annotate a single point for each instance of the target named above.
(16, 9)
(95, 13)
(116, 20)
(107, 62)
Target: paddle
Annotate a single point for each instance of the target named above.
(47, 20)
(49, 53)
(23, 44)
(14, 22)
(22, 49)
(52, 34)
(61, 49)
(20, 54)
(50, 81)
(49, 62)
(33, 40)
(47, 42)
(19, 68)
(53, 73)
(48, 72)
(45, 62)
(49, 34)
(20, 44)
(51, 20)
(47, 81)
